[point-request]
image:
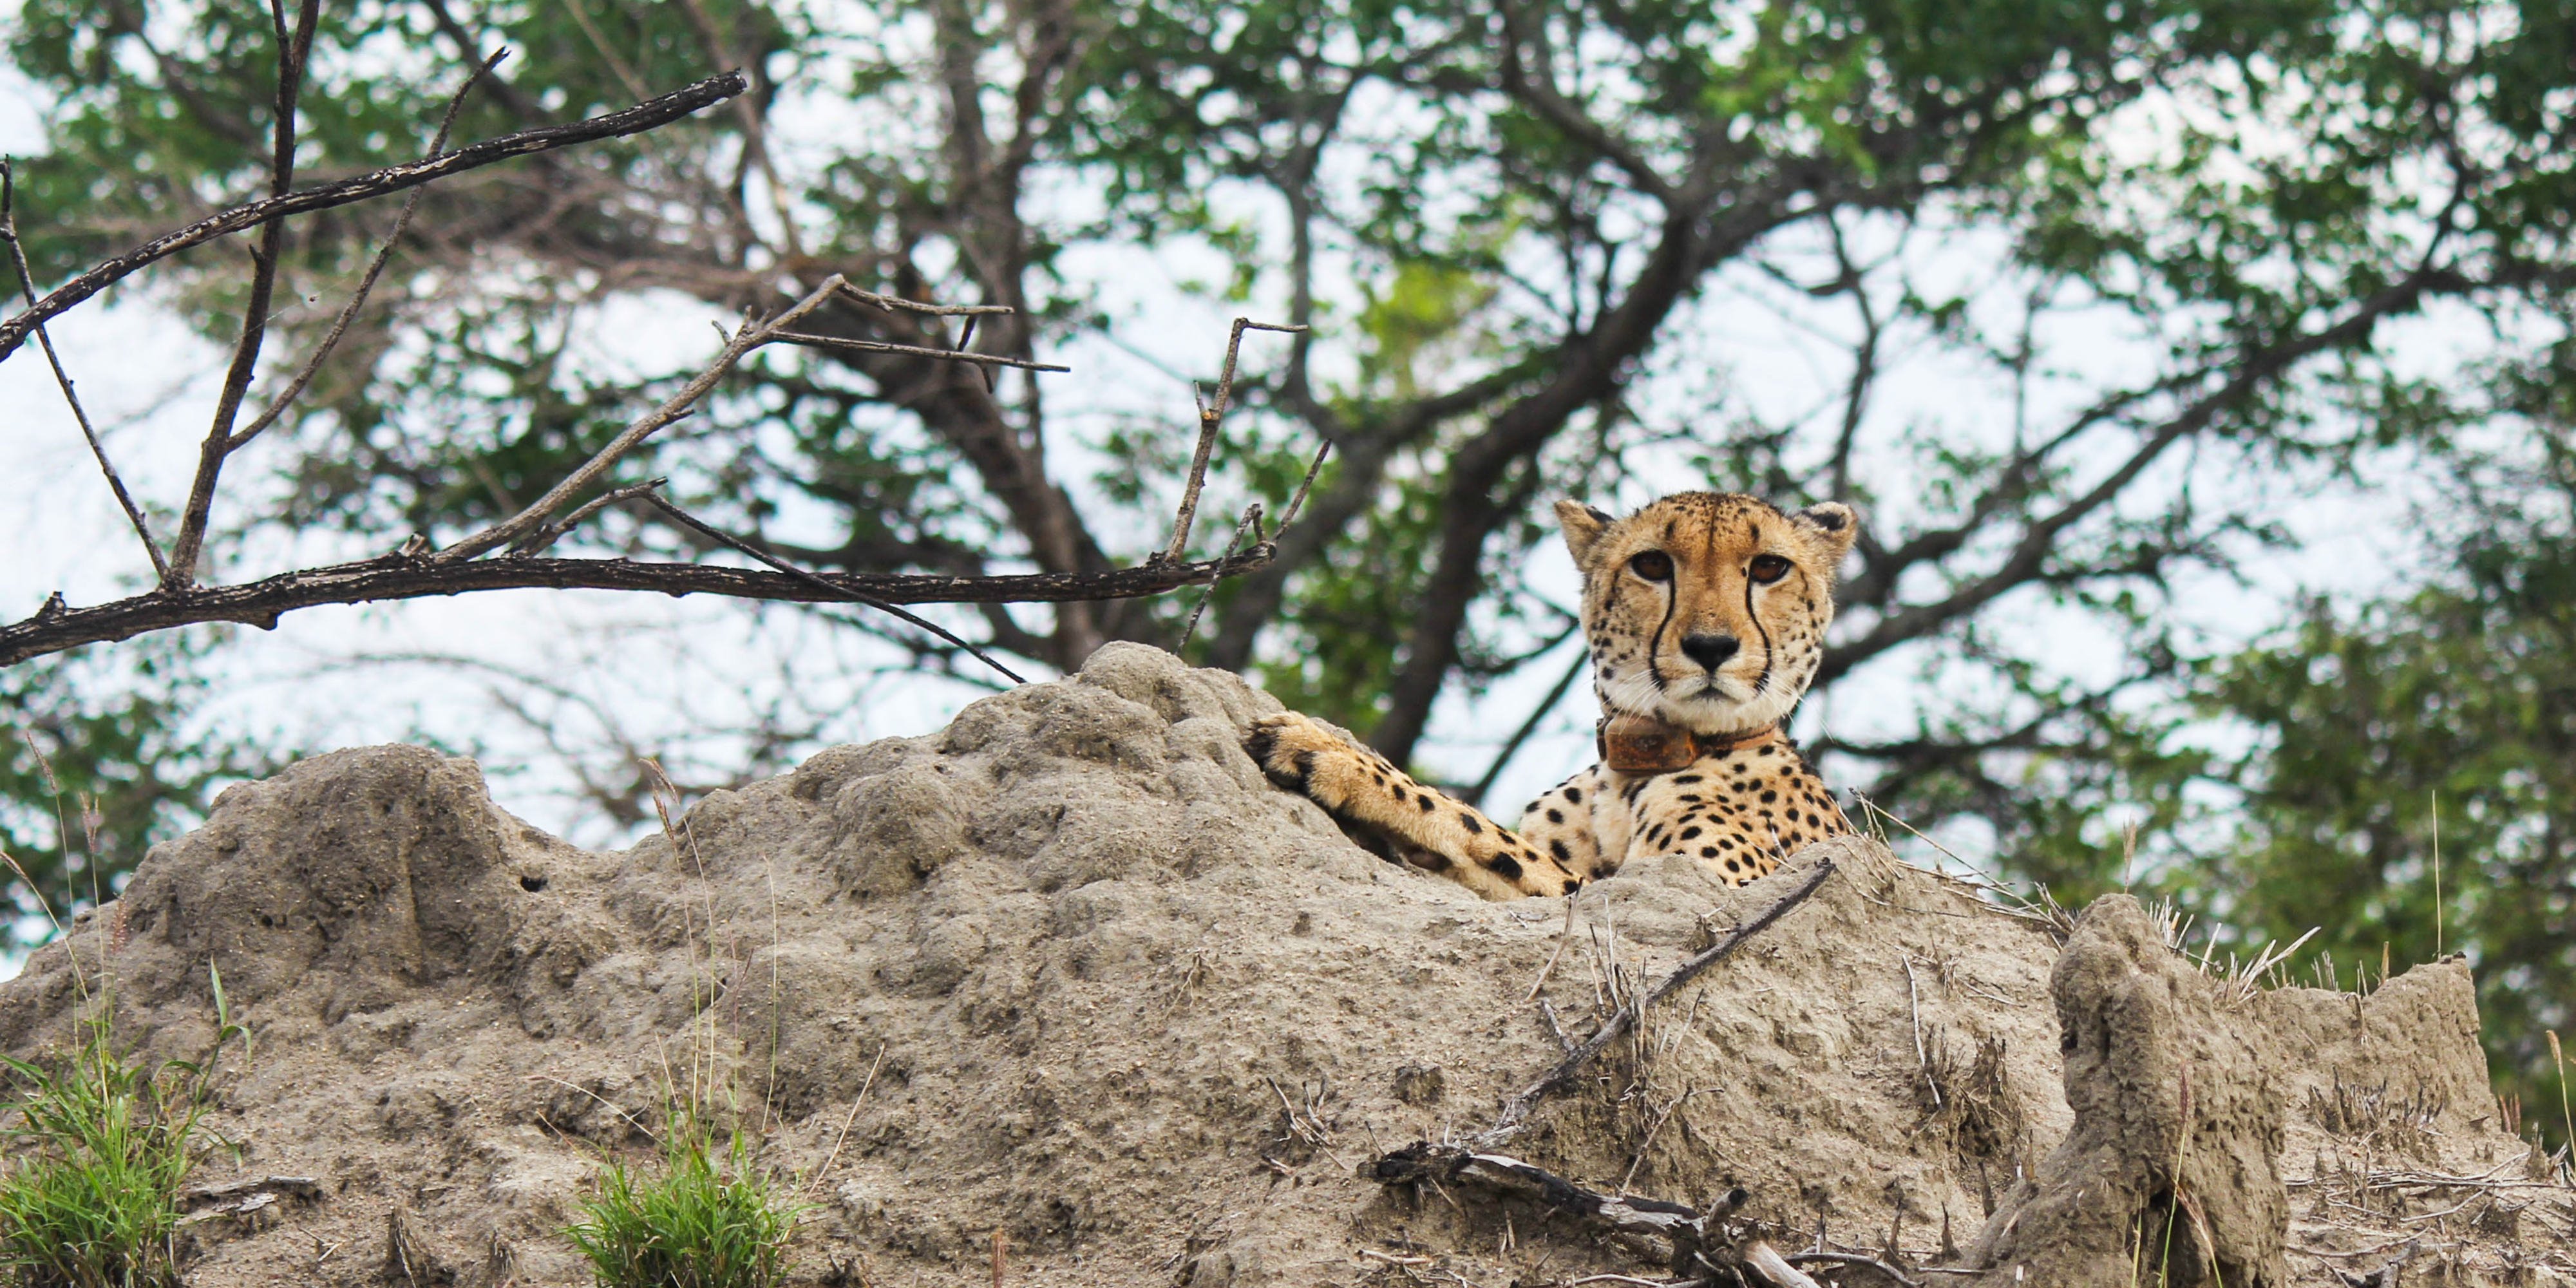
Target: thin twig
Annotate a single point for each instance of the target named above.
(285, 400)
(1211, 416)
(1251, 523)
(1856, 1259)
(634, 120)
(684, 519)
(1922, 1059)
(62, 379)
(1298, 502)
(918, 306)
(919, 351)
(1555, 1029)
(554, 532)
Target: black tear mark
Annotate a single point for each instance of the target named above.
(1764, 679)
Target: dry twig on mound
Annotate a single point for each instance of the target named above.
(1704, 1247)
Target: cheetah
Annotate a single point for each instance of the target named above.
(1706, 614)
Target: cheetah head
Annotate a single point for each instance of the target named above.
(1707, 610)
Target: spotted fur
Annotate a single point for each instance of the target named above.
(1706, 611)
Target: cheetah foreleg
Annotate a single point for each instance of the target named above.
(1378, 802)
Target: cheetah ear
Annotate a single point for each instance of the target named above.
(1830, 524)
(1583, 527)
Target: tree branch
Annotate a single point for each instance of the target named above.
(260, 603)
(286, 399)
(745, 338)
(1561, 1078)
(634, 120)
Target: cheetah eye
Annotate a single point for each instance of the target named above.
(1768, 569)
(1653, 565)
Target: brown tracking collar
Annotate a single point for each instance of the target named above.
(1643, 745)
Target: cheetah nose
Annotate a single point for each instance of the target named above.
(1710, 651)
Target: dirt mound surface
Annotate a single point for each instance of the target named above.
(1071, 970)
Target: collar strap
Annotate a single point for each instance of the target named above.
(1642, 745)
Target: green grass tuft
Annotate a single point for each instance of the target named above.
(695, 1225)
(103, 1145)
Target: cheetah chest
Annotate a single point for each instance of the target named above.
(1739, 812)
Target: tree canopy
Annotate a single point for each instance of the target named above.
(2070, 298)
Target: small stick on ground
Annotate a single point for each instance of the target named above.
(1858, 1259)
(1767, 1261)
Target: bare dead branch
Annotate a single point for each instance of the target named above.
(1457, 1165)
(63, 380)
(293, 48)
(57, 627)
(1288, 517)
(553, 532)
(1894, 1275)
(1211, 417)
(1775, 1269)
(634, 120)
(295, 387)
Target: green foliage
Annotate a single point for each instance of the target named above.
(697, 1223)
(103, 1141)
(2446, 720)
(2316, 780)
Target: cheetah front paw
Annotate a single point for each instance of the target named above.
(1287, 747)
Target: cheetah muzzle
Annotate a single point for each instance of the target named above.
(1706, 614)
